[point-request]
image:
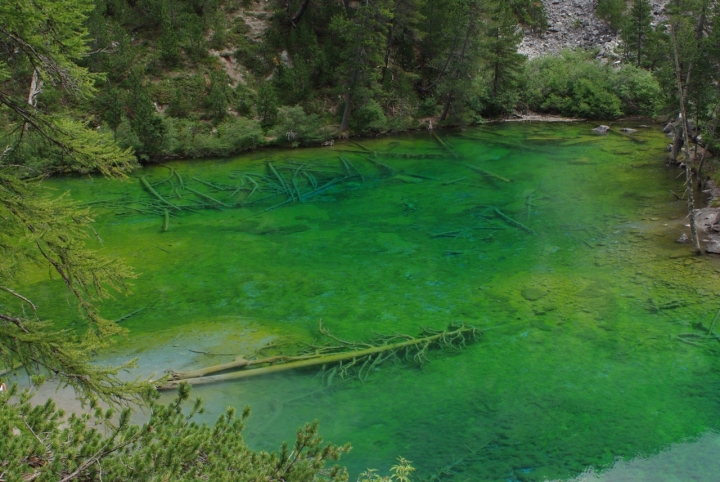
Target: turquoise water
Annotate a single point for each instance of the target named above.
(558, 242)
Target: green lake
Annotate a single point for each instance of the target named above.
(559, 242)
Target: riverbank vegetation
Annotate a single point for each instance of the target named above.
(93, 86)
(209, 78)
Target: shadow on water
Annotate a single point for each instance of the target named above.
(561, 241)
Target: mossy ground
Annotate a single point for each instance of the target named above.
(581, 366)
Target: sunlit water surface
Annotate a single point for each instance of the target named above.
(580, 374)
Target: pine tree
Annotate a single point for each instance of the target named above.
(361, 35)
(500, 50)
(636, 30)
(169, 42)
(217, 101)
(267, 104)
(463, 59)
(612, 12)
(403, 33)
(144, 119)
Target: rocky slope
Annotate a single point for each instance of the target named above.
(571, 24)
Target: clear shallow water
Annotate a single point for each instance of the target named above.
(580, 368)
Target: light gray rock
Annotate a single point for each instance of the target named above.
(627, 130)
(683, 239)
(713, 247)
(601, 129)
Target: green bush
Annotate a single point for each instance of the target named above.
(575, 84)
(368, 117)
(639, 91)
(190, 138)
(428, 107)
(298, 128)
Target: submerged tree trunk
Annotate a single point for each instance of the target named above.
(361, 360)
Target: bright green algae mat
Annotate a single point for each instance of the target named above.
(580, 366)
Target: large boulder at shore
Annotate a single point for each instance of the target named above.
(713, 247)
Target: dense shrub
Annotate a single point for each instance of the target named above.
(298, 128)
(575, 84)
(195, 139)
(368, 117)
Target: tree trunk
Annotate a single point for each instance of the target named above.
(36, 85)
(447, 338)
(688, 171)
(677, 144)
(495, 78)
(447, 106)
(299, 13)
(346, 113)
(388, 44)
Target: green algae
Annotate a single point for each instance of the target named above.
(581, 368)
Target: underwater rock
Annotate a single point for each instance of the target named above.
(683, 239)
(533, 294)
(627, 130)
(601, 129)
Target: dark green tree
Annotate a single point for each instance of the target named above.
(462, 62)
(403, 33)
(637, 28)
(361, 37)
(612, 11)
(169, 42)
(217, 100)
(144, 119)
(267, 104)
(504, 63)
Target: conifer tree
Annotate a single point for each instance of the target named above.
(361, 35)
(636, 30)
(612, 12)
(169, 42)
(463, 59)
(500, 50)
(217, 98)
(403, 33)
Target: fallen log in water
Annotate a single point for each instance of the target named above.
(349, 359)
(152, 191)
(512, 222)
(488, 173)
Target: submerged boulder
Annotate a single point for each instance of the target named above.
(601, 129)
(628, 130)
